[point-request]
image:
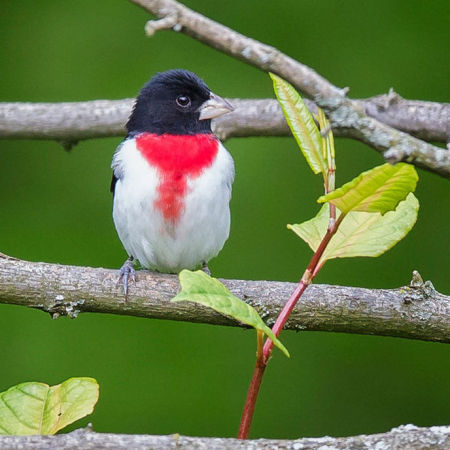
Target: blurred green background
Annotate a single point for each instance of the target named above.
(163, 377)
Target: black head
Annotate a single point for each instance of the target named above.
(175, 102)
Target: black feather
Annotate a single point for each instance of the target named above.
(156, 109)
(113, 184)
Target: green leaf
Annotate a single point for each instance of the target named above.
(313, 231)
(360, 233)
(37, 408)
(301, 123)
(377, 190)
(372, 234)
(327, 140)
(200, 288)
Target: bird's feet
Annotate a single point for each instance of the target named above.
(205, 268)
(126, 272)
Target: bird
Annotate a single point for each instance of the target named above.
(172, 177)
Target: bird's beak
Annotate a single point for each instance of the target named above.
(214, 107)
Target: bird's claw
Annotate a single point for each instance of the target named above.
(205, 268)
(126, 272)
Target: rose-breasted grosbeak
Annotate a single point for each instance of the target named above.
(172, 177)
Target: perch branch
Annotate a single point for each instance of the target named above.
(417, 311)
(343, 112)
(405, 436)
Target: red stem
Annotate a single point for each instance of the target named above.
(283, 317)
(250, 402)
(263, 359)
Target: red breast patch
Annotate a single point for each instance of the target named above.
(176, 158)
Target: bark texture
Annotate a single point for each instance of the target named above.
(75, 121)
(401, 438)
(417, 311)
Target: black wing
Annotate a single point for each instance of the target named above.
(113, 184)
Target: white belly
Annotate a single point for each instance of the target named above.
(196, 236)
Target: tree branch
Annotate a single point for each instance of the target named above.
(67, 122)
(75, 121)
(416, 312)
(228, 41)
(429, 121)
(342, 112)
(70, 122)
(405, 436)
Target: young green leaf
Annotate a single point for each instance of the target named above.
(37, 408)
(313, 230)
(301, 123)
(360, 233)
(327, 138)
(200, 288)
(372, 234)
(377, 190)
(327, 150)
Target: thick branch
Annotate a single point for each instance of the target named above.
(417, 312)
(65, 121)
(75, 121)
(342, 112)
(406, 436)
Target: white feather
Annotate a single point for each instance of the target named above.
(200, 232)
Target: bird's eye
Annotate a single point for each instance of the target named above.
(183, 101)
